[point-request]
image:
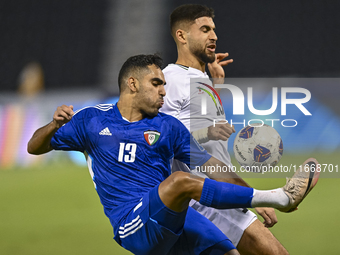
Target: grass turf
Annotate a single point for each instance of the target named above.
(54, 209)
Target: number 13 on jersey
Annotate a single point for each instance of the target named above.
(127, 152)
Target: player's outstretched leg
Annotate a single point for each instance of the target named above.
(180, 187)
(177, 190)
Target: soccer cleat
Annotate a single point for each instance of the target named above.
(302, 182)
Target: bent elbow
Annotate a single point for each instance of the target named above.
(30, 150)
(37, 150)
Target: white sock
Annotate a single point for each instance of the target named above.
(275, 198)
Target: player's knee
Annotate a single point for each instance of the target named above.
(182, 183)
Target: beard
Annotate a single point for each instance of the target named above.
(202, 55)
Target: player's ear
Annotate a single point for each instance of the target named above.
(181, 36)
(133, 84)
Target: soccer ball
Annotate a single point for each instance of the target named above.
(257, 146)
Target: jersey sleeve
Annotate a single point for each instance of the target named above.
(70, 137)
(187, 149)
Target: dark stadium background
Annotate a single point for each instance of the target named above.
(265, 38)
(48, 204)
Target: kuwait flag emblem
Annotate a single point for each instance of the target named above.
(151, 137)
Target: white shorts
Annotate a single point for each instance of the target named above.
(232, 222)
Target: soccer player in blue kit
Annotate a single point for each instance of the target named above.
(129, 148)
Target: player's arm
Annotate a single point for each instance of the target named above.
(40, 142)
(220, 131)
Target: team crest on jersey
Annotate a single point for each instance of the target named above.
(151, 137)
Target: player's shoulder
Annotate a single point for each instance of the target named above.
(177, 81)
(92, 111)
(164, 117)
(180, 73)
(168, 119)
(175, 72)
(175, 68)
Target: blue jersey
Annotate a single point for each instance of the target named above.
(127, 159)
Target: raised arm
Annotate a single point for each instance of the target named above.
(40, 142)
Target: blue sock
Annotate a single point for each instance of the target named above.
(222, 195)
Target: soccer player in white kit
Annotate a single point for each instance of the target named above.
(193, 30)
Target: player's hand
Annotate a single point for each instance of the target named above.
(220, 131)
(269, 216)
(216, 68)
(62, 115)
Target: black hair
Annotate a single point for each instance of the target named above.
(136, 63)
(189, 12)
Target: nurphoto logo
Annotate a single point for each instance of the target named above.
(239, 105)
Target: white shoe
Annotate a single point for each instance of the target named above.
(302, 182)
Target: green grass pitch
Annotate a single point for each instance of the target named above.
(54, 209)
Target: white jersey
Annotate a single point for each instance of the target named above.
(185, 88)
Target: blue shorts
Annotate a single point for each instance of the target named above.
(152, 228)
